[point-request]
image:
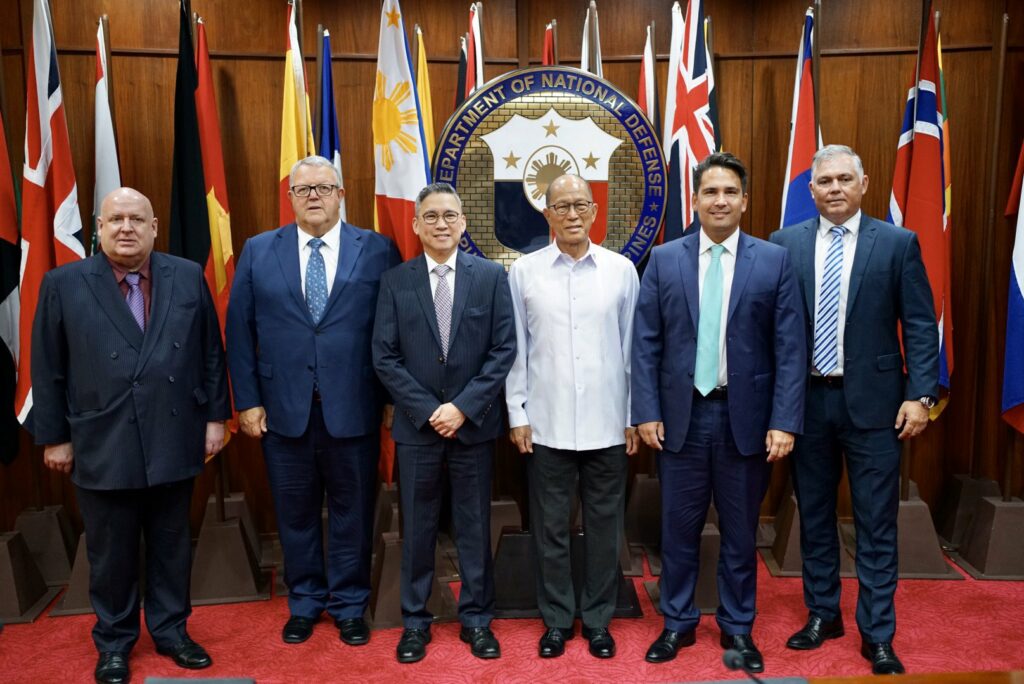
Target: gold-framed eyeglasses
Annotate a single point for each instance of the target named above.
(322, 189)
(432, 217)
(562, 208)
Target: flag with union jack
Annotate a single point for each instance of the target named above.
(691, 114)
(804, 136)
(920, 192)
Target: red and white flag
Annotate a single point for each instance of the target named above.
(401, 166)
(474, 50)
(51, 232)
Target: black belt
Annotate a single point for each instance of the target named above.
(717, 394)
(832, 381)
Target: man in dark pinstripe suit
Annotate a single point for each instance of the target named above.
(129, 394)
(443, 349)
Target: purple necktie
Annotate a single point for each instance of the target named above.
(136, 303)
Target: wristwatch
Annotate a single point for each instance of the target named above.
(927, 402)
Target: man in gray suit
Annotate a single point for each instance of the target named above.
(130, 393)
(443, 349)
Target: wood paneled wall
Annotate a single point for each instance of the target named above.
(868, 49)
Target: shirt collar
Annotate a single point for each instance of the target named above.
(120, 271)
(852, 225)
(450, 263)
(730, 243)
(332, 238)
(558, 256)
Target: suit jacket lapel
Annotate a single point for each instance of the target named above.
(350, 244)
(160, 296)
(745, 257)
(805, 264)
(463, 286)
(689, 270)
(286, 247)
(865, 242)
(421, 283)
(100, 280)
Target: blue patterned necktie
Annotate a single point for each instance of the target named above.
(316, 281)
(136, 302)
(709, 325)
(443, 306)
(826, 326)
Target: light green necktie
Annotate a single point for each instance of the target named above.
(709, 325)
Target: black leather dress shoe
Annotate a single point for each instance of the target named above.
(482, 642)
(412, 647)
(744, 645)
(353, 631)
(602, 645)
(668, 644)
(112, 668)
(187, 653)
(552, 644)
(815, 633)
(297, 629)
(883, 658)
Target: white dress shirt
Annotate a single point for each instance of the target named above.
(821, 245)
(450, 263)
(728, 259)
(329, 251)
(574, 327)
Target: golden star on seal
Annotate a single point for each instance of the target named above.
(511, 161)
(591, 161)
(551, 129)
(393, 17)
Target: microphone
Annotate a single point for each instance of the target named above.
(733, 660)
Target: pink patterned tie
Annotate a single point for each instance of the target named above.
(136, 303)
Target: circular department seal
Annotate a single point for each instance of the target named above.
(519, 132)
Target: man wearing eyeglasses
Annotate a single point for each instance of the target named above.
(299, 325)
(443, 342)
(568, 406)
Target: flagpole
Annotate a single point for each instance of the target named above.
(816, 66)
(415, 51)
(105, 28)
(656, 107)
(318, 122)
(925, 18)
(297, 4)
(480, 44)
(554, 39)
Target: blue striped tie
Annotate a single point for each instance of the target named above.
(826, 326)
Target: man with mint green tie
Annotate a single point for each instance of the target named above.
(718, 365)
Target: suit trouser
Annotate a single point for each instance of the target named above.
(420, 476)
(553, 474)
(873, 462)
(300, 470)
(114, 520)
(710, 464)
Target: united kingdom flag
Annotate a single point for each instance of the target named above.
(691, 114)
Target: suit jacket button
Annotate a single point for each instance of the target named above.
(177, 345)
(135, 384)
(690, 374)
(174, 412)
(113, 355)
(131, 419)
(170, 378)
(440, 359)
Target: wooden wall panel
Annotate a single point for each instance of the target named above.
(869, 52)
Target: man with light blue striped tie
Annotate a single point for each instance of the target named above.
(863, 282)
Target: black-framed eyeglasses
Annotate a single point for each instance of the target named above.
(432, 217)
(562, 208)
(322, 189)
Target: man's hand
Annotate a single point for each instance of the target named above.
(214, 437)
(912, 418)
(778, 444)
(388, 419)
(522, 437)
(447, 419)
(253, 421)
(59, 457)
(653, 433)
(632, 441)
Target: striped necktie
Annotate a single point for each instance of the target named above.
(826, 325)
(136, 302)
(443, 306)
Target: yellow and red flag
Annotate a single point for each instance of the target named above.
(296, 122)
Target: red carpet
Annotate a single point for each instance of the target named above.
(944, 626)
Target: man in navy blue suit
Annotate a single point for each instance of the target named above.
(130, 392)
(862, 281)
(719, 365)
(443, 343)
(298, 335)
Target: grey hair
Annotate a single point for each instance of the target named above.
(586, 184)
(830, 152)
(436, 189)
(313, 160)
